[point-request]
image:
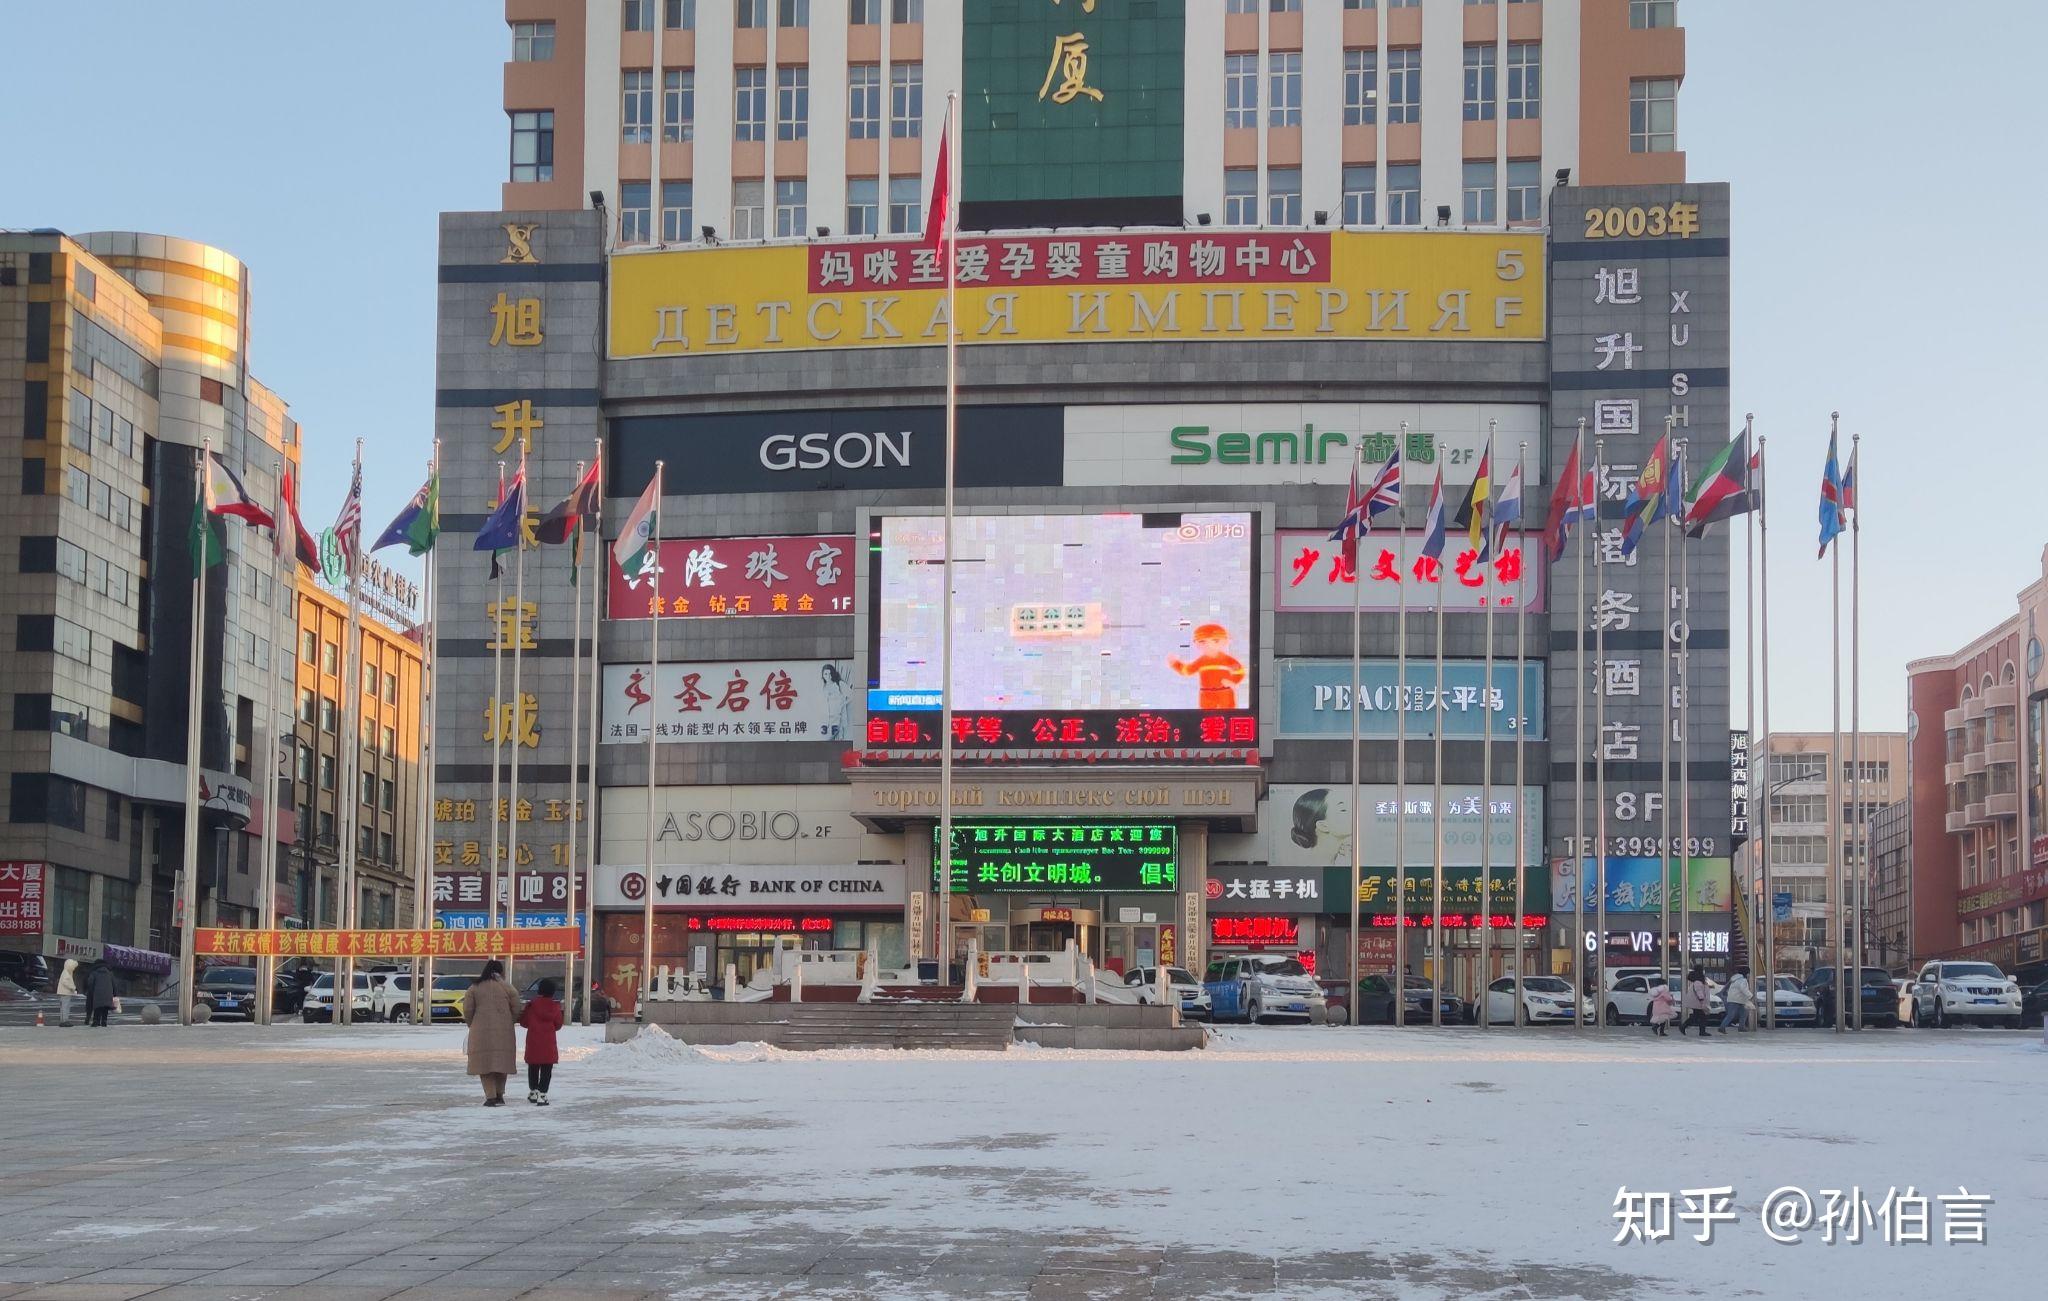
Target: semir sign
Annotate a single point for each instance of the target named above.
(853, 450)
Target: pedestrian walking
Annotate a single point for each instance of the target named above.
(1738, 995)
(1695, 1001)
(67, 990)
(1663, 1010)
(541, 1017)
(99, 994)
(490, 1007)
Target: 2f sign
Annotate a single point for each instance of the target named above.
(1632, 807)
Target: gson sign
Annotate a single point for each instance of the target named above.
(813, 451)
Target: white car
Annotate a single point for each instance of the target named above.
(1790, 1004)
(1628, 1000)
(1194, 1000)
(1546, 1000)
(1945, 993)
(1261, 987)
(370, 1002)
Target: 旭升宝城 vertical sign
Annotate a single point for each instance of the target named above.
(1074, 108)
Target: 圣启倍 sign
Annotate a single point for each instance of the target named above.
(1315, 699)
(1255, 931)
(1071, 857)
(729, 700)
(1309, 575)
(21, 898)
(1163, 285)
(722, 578)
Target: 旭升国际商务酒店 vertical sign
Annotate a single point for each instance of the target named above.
(1072, 107)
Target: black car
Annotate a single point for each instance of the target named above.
(1879, 996)
(31, 971)
(2034, 1004)
(600, 1012)
(231, 990)
(1376, 1002)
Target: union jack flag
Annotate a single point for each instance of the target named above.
(348, 526)
(1381, 495)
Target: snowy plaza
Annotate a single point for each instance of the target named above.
(229, 1162)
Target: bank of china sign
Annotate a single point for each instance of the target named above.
(1177, 285)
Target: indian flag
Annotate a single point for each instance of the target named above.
(635, 549)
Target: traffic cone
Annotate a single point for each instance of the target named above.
(39, 1017)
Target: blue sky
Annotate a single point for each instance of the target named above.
(1885, 257)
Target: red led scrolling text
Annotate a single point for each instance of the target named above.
(1130, 729)
(1467, 921)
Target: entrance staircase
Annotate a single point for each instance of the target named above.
(909, 1024)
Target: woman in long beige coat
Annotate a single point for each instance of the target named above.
(491, 1009)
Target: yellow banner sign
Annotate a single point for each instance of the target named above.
(1173, 285)
(526, 941)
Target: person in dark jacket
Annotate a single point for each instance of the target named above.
(541, 1017)
(99, 994)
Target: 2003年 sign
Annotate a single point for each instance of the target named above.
(526, 941)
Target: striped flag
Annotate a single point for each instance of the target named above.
(348, 526)
(1433, 536)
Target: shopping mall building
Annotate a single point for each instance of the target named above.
(1204, 263)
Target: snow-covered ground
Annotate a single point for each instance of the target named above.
(1481, 1149)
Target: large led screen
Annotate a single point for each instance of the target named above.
(1089, 632)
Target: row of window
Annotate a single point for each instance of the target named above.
(750, 220)
(681, 15)
(375, 681)
(1482, 192)
(87, 422)
(102, 499)
(94, 573)
(324, 710)
(1403, 73)
(750, 106)
(53, 633)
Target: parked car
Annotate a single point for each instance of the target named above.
(366, 1003)
(31, 971)
(1546, 1000)
(233, 991)
(1336, 1001)
(573, 1009)
(1878, 998)
(1194, 1000)
(1945, 993)
(1790, 1004)
(2034, 1004)
(1376, 1001)
(444, 998)
(1628, 1000)
(1259, 987)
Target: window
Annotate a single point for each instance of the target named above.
(390, 741)
(117, 902)
(793, 13)
(636, 107)
(71, 641)
(71, 892)
(1652, 13)
(326, 772)
(676, 203)
(789, 209)
(749, 13)
(750, 103)
(1358, 4)
(906, 11)
(863, 13)
(384, 856)
(1240, 90)
(1404, 86)
(1241, 7)
(1481, 83)
(103, 423)
(863, 197)
(303, 764)
(328, 652)
(1283, 196)
(328, 714)
(638, 16)
(533, 42)
(124, 435)
(746, 209)
(864, 101)
(533, 145)
(71, 561)
(1525, 191)
(78, 487)
(1240, 196)
(308, 705)
(679, 105)
(79, 421)
(906, 99)
(370, 680)
(1798, 808)
(1404, 194)
(679, 15)
(1361, 87)
(635, 198)
(906, 205)
(1652, 115)
(326, 833)
(1798, 767)
(391, 686)
(1283, 89)
(387, 795)
(369, 780)
(1525, 81)
(792, 103)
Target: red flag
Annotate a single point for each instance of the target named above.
(302, 541)
(939, 213)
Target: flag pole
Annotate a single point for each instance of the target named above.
(1401, 698)
(497, 717)
(1521, 731)
(188, 889)
(1667, 725)
(1576, 860)
(1436, 920)
(1761, 829)
(575, 727)
(1681, 707)
(1835, 763)
(352, 752)
(579, 810)
(1857, 919)
(1768, 1017)
(1599, 761)
(1486, 758)
(653, 677)
(430, 739)
(942, 879)
(263, 761)
(1357, 684)
(518, 715)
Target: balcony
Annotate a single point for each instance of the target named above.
(1953, 773)
(1952, 721)
(2006, 695)
(1958, 822)
(1974, 707)
(1974, 762)
(2002, 807)
(2002, 752)
(1976, 815)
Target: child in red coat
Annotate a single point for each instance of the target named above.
(541, 1017)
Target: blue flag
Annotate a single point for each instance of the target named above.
(501, 530)
(1830, 498)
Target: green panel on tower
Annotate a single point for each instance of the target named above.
(1071, 113)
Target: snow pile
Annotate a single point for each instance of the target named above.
(652, 1046)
